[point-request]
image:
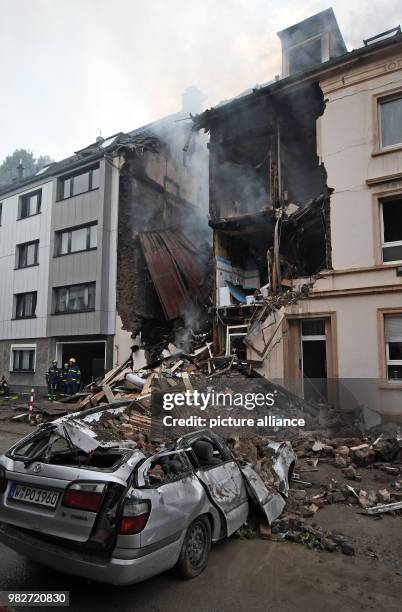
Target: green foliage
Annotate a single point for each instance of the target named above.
(8, 169)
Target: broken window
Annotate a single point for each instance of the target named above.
(390, 117)
(167, 467)
(235, 335)
(393, 347)
(392, 229)
(208, 453)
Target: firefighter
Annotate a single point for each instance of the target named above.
(73, 377)
(53, 380)
(5, 389)
(64, 380)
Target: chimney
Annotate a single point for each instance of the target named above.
(191, 101)
(20, 170)
(311, 42)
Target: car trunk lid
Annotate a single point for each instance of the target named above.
(60, 488)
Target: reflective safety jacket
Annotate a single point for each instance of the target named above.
(53, 375)
(73, 373)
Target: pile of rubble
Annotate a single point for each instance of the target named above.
(322, 477)
(330, 464)
(362, 461)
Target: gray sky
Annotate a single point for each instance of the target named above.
(70, 68)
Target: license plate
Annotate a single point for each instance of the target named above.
(32, 495)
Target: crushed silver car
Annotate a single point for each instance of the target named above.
(104, 510)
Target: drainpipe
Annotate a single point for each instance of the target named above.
(278, 209)
(278, 162)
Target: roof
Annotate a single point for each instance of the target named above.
(145, 137)
(204, 120)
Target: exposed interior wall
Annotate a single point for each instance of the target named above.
(153, 190)
(264, 167)
(122, 343)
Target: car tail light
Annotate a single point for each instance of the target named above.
(3, 481)
(84, 496)
(135, 516)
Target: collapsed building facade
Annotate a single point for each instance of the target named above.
(306, 210)
(164, 240)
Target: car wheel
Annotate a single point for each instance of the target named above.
(194, 553)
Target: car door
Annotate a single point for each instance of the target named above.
(283, 461)
(175, 498)
(224, 482)
(266, 498)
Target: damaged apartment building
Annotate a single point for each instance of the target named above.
(306, 211)
(107, 244)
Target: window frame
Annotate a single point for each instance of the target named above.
(239, 331)
(61, 180)
(385, 96)
(391, 362)
(385, 383)
(17, 297)
(384, 244)
(18, 265)
(23, 198)
(1, 213)
(391, 383)
(325, 51)
(22, 347)
(142, 478)
(69, 287)
(380, 101)
(69, 231)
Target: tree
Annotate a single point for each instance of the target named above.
(8, 169)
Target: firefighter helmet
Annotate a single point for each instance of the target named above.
(72, 360)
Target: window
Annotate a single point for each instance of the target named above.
(27, 254)
(25, 305)
(30, 204)
(78, 183)
(308, 54)
(76, 298)
(74, 240)
(393, 347)
(313, 327)
(390, 119)
(23, 358)
(166, 467)
(391, 216)
(235, 335)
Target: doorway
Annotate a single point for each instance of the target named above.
(90, 358)
(314, 359)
